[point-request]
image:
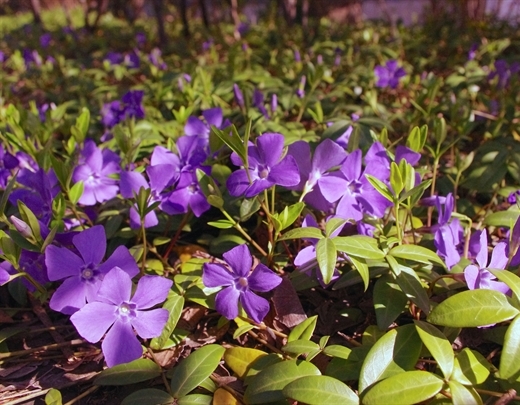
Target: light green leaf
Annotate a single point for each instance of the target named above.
(437, 344)
(221, 224)
(53, 397)
(320, 389)
(389, 301)
(511, 279)
(241, 330)
(76, 191)
(396, 180)
(333, 225)
(510, 357)
(473, 308)
(408, 388)
(338, 351)
(289, 215)
(267, 386)
(174, 306)
(362, 268)
(307, 232)
(129, 373)
(304, 330)
(300, 346)
(195, 369)
(326, 255)
(240, 359)
(397, 351)
(195, 399)
(470, 367)
(361, 246)
(461, 395)
(502, 218)
(416, 253)
(414, 290)
(381, 187)
(148, 396)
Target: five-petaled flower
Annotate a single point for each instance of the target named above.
(239, 282)
(83, 275)
(389, 74)
(114, 308)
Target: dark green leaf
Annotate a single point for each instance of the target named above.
(414, 290)
(473, 308)
(326, 255)
(75, 192)
(362, 268)
(129, 373)
(195, 369)
(333, 225)
(148, 396)
(389, 301)
(503, 218)
(174, 306)
(381, 187)
(320, 389)
(307, 232)
(510, 357)
(195, 399)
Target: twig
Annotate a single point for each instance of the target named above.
(82, 395)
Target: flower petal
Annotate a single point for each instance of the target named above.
(255, 306)
(239, 259)
(62, 263)
(263, 279)
(70, 296)
(116, 287)
(216, 275)
(93, 320)
(285, 173)
(270, 147)
(499, 257)
(121, 345)
(91, 244)
(332, 187)
(151, 290)
(327, 155)
(150, 324)
(121, 258)
(130, 183)
(226, 302)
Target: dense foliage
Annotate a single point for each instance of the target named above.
(255, 221)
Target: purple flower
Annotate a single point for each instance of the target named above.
(448, 233)
(239, 96)
(389, 74)
(476, 275)
(118, 312)
(297, 56)
(201, 129)
(31, 57)
(112, 114)
(337, 56)
(301, 87)
(132, 60)
(140, 38)
(266, 168)
(45, 40)
(4, 274)
(504, 72)
(94, 169)
(258, 102)
(83, 273)
(239, 280)
(133, 104)
(156, 60)
(7, 163)
(3, 57)
(115, 58)
(473, 51)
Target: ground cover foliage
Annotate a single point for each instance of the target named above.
(258, 221)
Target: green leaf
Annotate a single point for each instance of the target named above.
(333, 225)
(438, 345)
(362, 268)
(337, 351)
(289, 215)
(129, 373)
(300, 346)
(511, 279)
(473, 308)
(174, 306)
(319, 390)
(326, 255)
(221, 224)
(350, 368)
(411, 387)
(80, 129)
(240, 359)
(53, 397)
(503, 218)
(396, 179)
(241, 330)
(417, 254)
(195, 399)
(261, 364)
(510, 357)
(389, 301)
(470, 367)
(6, 333)
(195, 369)
(7, 193)
(381, 187)
(397, 351)
(461, 395)
(361, 246)
(307, 232)
(148, 396)
(304, 330)
(414, 290)
(76, 191)
(267, 385)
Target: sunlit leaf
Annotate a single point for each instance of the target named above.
(438, 345)
(320, 389)
(239, 359)
(129, 373)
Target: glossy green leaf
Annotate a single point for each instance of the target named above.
(347, 369)
(195, 369)
(511, 279)
(319, 390)
(261, 364)
(462, 395)
(148, 396)
(174, 305)
(195, 399)
(362, 268)
(129, 373)
(502, 218)
(417, 254)
(470, 367)
(289, 215)
(241, 330)
(53, 397)
(381, 187)
(397, 351)
(437, 344)
(298, 233)
(221, 224)
(326, 255)
(389, 301)
(396, 179)
(303, 330)
(414, 290)
(510, 357)
(333, 225)
(361, 246)
(300, 346)
(337, 351)
(240, 359)
(408, 388)
(267, 385)
(473, 308)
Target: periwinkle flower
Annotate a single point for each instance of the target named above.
(201, 129)
(132, 60)
(258, 102)
(114, 58)
(156, 59)
(83, 273)
(112, 114)
(115, 310)
(140, 38)
(239, 279)
(45, 40)
(239, 96)
(476, 275)
(389, 74)
(448, 232)
(301, 87)
(133, 104)
(8, 162)
(94, 169)
(503, 71)
(266, 168)
(31, 57)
